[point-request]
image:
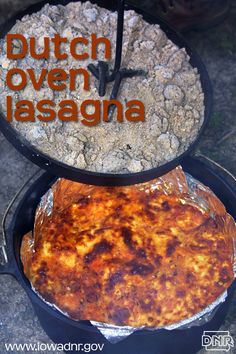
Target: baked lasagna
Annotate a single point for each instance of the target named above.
(141, 255)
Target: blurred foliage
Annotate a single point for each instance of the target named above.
(215, 120)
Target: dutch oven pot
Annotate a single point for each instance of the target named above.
(61, 329)
(62, 170)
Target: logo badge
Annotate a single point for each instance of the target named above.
(217, 341)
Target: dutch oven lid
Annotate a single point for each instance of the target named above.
(60, 169)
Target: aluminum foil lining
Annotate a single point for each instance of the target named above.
(46, 202)
(194, 193)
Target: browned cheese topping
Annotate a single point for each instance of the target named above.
(127, 255)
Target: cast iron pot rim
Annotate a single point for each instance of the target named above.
(98, 178)
(17, 268)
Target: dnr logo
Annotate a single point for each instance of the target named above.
(217, 341)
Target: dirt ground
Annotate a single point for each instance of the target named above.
(217, 47)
